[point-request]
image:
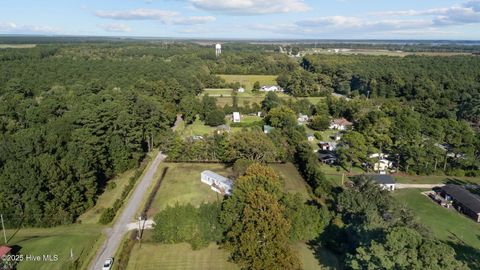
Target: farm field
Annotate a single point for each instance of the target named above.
(17, 46)
(248, 80)
(446, 224)
(379, 52)
(226, 92)
(80, 238)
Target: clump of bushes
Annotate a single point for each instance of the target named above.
(185, 223)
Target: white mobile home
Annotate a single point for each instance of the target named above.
(217, 183)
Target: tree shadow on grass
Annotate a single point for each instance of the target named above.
(467, 254)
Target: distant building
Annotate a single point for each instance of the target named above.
(271, 88)
(302, 119)
(310, 137)
(337, 136)
(382, 165)
(236, 117)
(222, 129)
(340, 124)
(241, 90)
(387, 182)
(5, 250)
(267, 129)
(217, 183)
(463, 200)
(328, 146)
(218, 49)
(327, 157)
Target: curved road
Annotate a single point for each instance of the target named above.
(115, 234)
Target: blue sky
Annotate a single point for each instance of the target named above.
(296, 19)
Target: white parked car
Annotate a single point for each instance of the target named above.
(107, 265)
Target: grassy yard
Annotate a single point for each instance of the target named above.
(178, 256)
(82, 239)
(196, 128)
(446, 224)
(413, 179)
(182, 185)
(293, 180)
(322, 259)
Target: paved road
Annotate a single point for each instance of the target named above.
(115, 234)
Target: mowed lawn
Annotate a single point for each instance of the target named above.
(182, 185)
(446, 224)
(294, 182)
(80, 238)
(178, 256)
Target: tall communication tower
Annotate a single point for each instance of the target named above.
(218, 50)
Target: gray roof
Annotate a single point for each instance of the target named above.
(463, 196)
(382, 178)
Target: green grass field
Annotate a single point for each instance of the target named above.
(178, 256)
(182, 185)
(218, 92)
(413, 179)
(446, 224)
(81, 239)
(248, 80)
(293, 180)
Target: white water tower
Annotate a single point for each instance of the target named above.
(218, 50)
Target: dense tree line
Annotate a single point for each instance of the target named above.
(72, 117)
(436, 86)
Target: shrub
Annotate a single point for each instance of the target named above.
(107, 216)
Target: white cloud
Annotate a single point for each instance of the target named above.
(12, 28)
(193, 20)
(251, 7)
(466, 13)
(137, 14)
(116, 27)
(163, 16)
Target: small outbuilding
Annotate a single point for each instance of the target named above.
(241, 90)
(386, 182)
(236, 118)
(217, 183)
(267, 129)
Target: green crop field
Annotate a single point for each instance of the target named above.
(446, 224)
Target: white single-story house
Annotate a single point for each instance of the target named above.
(340, 124)
(386, 182)
(302, 118)
(217, 182)
(381, 164)
(271, 88)
(328, 146)
(241, 90)
(236, 117)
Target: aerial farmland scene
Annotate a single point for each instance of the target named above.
(239, 135)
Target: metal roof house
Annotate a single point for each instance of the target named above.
(463, 200)
(217, 183)
(387, 182)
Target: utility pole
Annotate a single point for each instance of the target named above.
(3, 227)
